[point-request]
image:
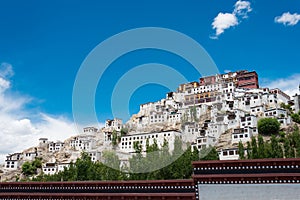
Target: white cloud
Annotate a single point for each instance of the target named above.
(242, 8)
(224, 21)
(289, 84)
(288, 19)
(17, 129)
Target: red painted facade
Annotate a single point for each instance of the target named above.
(247, 80)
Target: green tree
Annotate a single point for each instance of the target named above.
(114, 139)
(268, 126)
(241, 150)
(276, 148)
(288, 149)
(249, 150)
(209, 153)
(28, 169)
(193, 113)
(261, 147)
(84, 167)
(254, 148)
(296, 117)
(124, 131)
(111, 166)
(286, 106)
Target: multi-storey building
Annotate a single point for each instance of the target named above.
(110, 126)
(55, 146)
(127, 142)
(12, 161)
(83, 142)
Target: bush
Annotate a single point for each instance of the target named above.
(296, 117)
(268, 126)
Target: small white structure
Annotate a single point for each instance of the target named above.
(43, 142)
(113, 124)
(228, 154)
(12, 161)
(49, 168)
(30, 156)
(127, 142)
(248, 121)
(110, 126)
(55, 146)
(61, 166)
(83, 142)
(243, 134)
(90, 130)
(204, 142)
(280, 114)
(276, 112)
(95, 155)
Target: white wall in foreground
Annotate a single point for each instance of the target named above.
(249, 191)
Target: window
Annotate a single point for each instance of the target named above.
(225, 153)
(235, 136)
(231, 152)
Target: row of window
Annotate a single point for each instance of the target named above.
(143, 137)
(48, 169)
(236, 136)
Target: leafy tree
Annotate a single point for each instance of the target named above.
(241, 150)
(254, 148)
(268, 126)
(288, 150)
(124, 131)
(209, 153)
(286, 106)
(193, 113)
(296, 117)
(84, 167)
(28, 169)
(249, 151)
(261, 147)
(137, 147)
(111, 166)
(276, 148)
(114, 138)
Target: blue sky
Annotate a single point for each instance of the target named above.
(43, 43)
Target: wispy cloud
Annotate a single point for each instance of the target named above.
(17, 129)
(289, 84)
(288, 19)
(225, 21)
(242, 8)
